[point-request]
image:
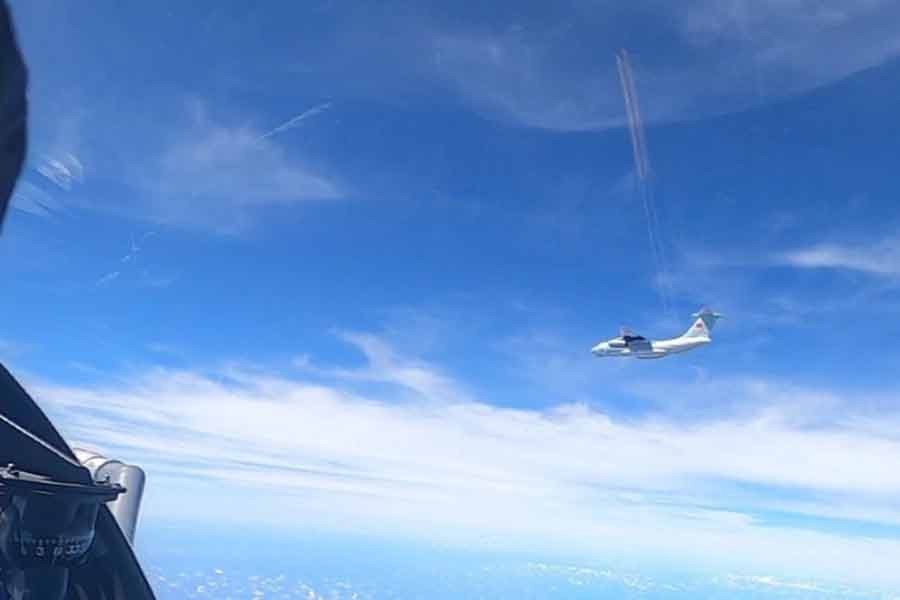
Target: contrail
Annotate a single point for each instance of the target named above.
(295, 121)
(635, 123)
(107, 278)
(137, 246)
(644, 173)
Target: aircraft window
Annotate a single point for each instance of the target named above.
(344, 280)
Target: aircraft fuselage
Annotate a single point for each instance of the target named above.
(648, 348)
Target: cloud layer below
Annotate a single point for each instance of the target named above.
(396, 445)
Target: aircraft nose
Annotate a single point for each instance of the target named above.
(600, 348)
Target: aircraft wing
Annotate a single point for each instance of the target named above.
(629, 336)
(30, 441)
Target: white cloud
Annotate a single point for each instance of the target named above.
(693, 58)
(216, 176)
(769, 581)
(444, 464)
(733, 281)
(196, 171)
(386, 366)
(31, 199)
(516, 78)
(880, 258)
(57, 168)
(64, 171)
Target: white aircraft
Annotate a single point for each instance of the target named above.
(637, 346)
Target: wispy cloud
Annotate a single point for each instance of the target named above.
(728, 56)
(443, 463)
(196, 171)
(881, 258)
(514, 77)
(384, 365)
(64, 171)
(33, 200)
(35, 196)
(56, 168)
(215, 176)
(770, 581)
(108, 278)
(735, 280)
(136, 246)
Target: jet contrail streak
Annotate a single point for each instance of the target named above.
(107, 278)
(137, 246)
(644, 174)
(632, 108)
(295, 121)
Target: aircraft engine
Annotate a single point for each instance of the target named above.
(104, 470)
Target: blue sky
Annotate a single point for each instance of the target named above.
(348, 261)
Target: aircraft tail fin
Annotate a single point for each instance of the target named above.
(705, 320)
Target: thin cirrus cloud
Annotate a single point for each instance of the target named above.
(202, 173)
(701, 273)
(108, 278)
(31, 199)
(880, 258)
(384, 365)
(550, 67)
(64, 171)
(45, 196)
(216, 176)
(419, 455)
(720, 57)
